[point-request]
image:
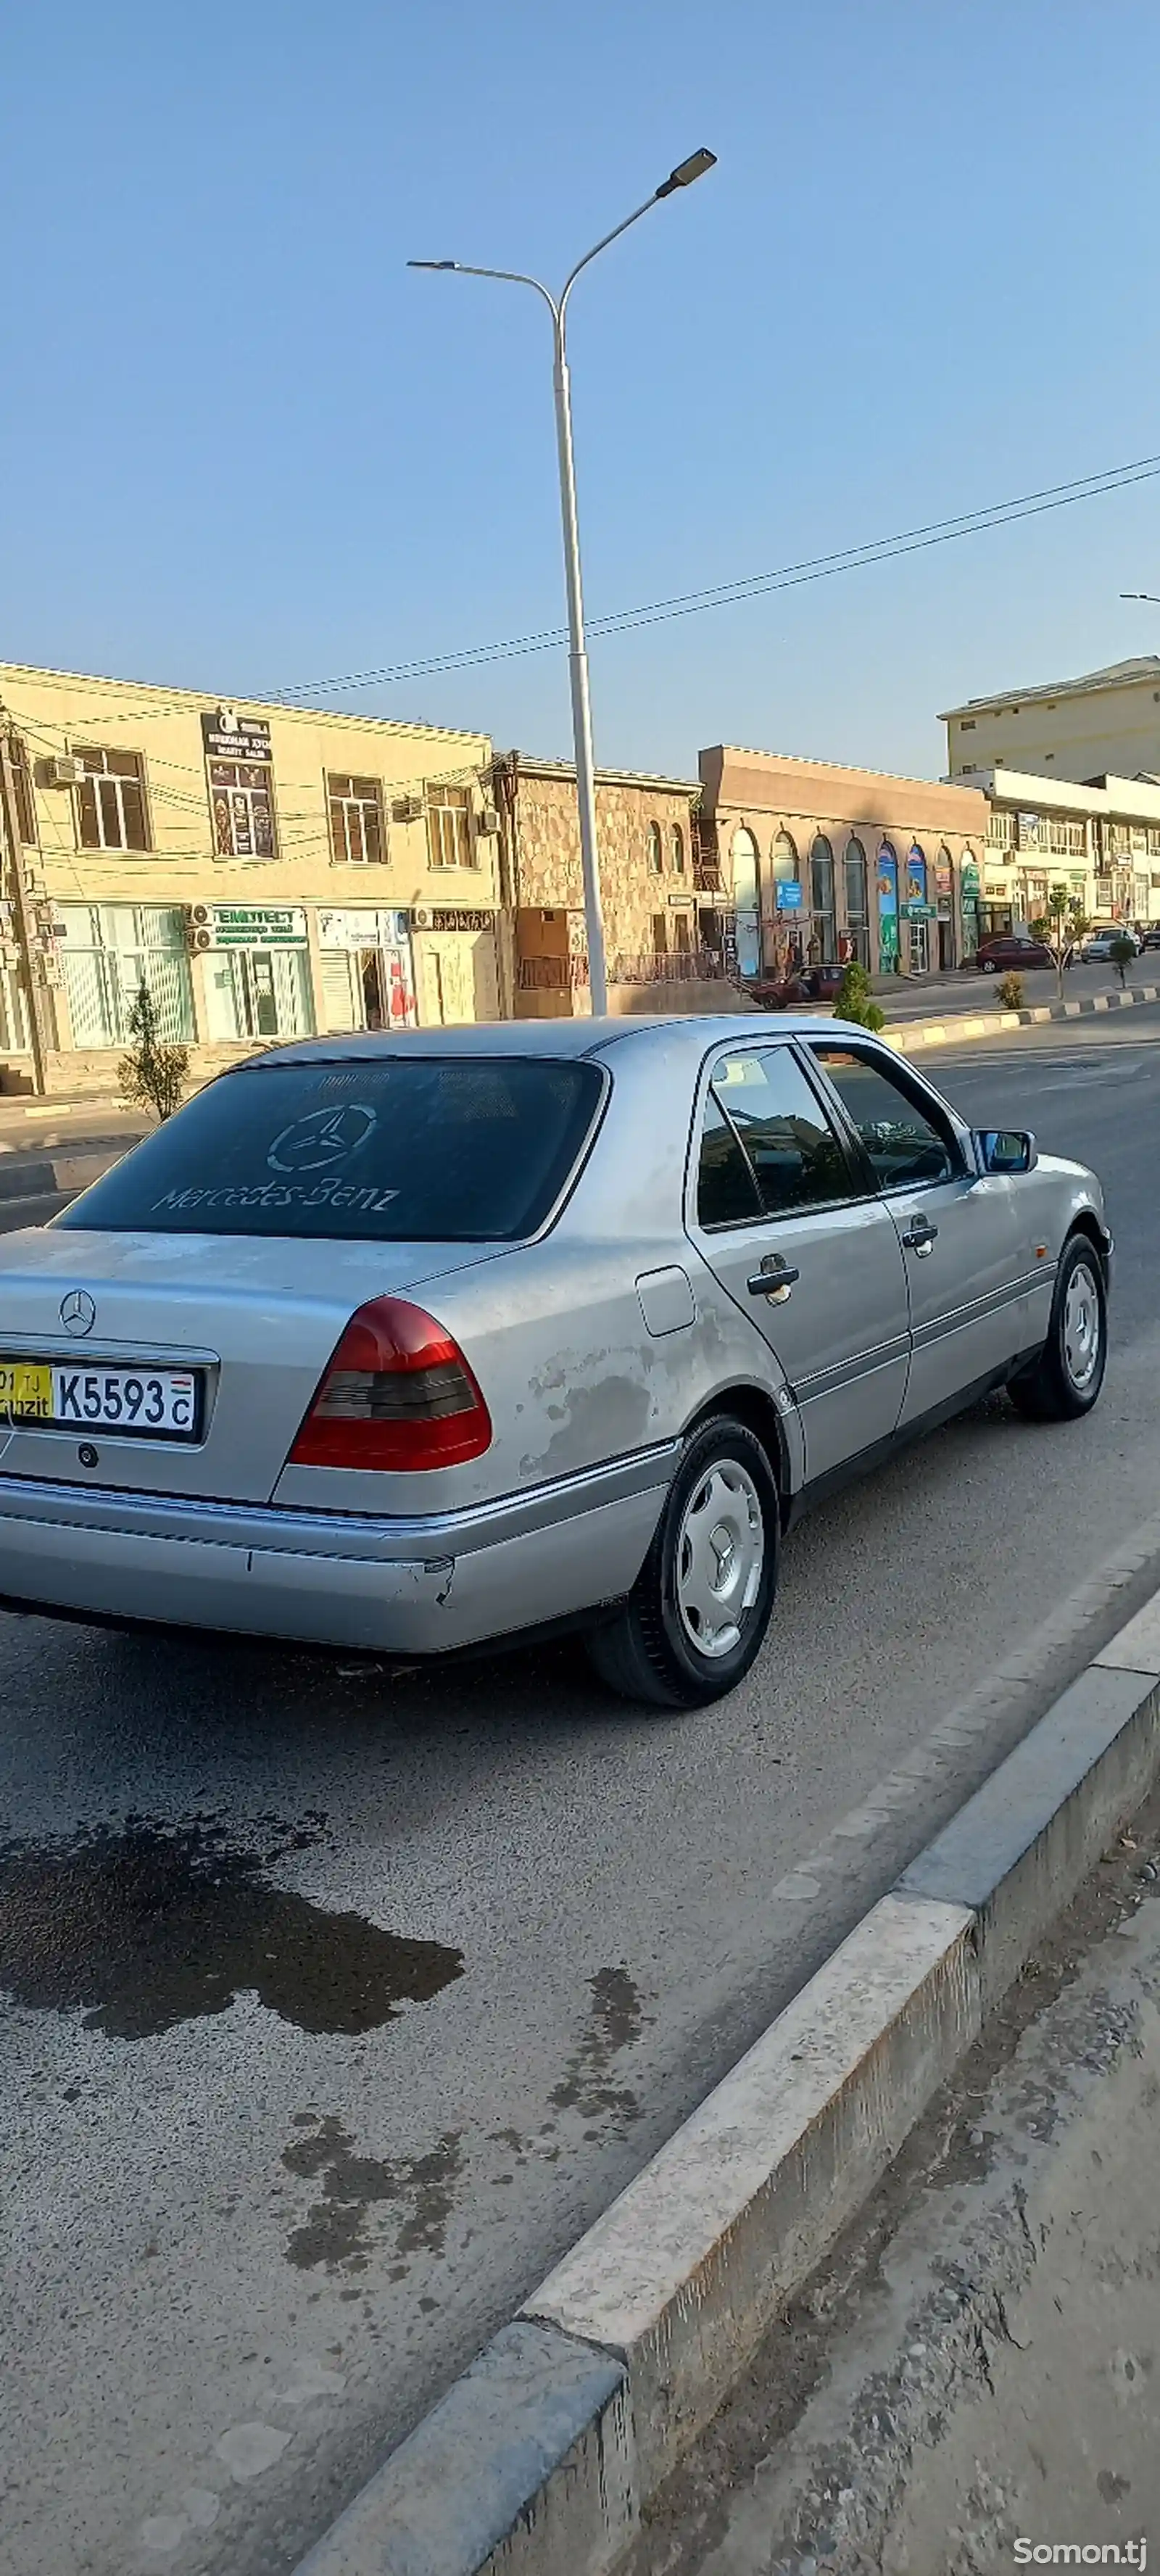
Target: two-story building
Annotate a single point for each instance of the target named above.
(648, 850)
(267, 871)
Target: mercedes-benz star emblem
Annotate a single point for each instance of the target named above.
(78, 1313)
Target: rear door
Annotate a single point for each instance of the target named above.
(787, 1219)
(963, 1246)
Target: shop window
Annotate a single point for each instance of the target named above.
(258, 993)
(242, 801)
(107, 952)
(857, 900)
(449, 835)
(356, 821)
(111, 811)
(823, 940)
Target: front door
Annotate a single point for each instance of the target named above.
(796, 1234)
(966, 1265)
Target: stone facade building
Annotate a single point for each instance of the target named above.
(648, 861)
(818, 863)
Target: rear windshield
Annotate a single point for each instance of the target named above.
(417, 1149)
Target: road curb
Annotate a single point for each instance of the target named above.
(988, 1024)
(527, 2468)
(51, 1175)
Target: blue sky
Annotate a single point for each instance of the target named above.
(242, 447)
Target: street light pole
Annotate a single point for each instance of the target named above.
(682, 177)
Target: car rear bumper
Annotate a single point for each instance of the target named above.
(419, 1586)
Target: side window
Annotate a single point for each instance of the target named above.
(726, 1189)
(901, 1139)
(797, 1158)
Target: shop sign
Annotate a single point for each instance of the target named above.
(451, 916)
(229, 736)
(255, 925)
(942, 877)
(787, 895)
(970, 881)
(355, 930)
(918, 911)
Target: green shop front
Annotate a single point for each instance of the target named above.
(255, 970)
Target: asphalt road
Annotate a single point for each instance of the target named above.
(339, 2002)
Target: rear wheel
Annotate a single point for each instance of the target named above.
(701, 1604)
(1065, 1380)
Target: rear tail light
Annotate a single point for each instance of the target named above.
(397, 1395)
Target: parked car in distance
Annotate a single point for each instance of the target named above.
(1152, 935)
(1098, 949)
(1004, 953)
(805, 984)
(411, 1343)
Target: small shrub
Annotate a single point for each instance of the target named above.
(852, 1001)
(1011, 992)
(151, 1075)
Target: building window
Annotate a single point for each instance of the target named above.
(356, 821)
(449, 837)
(746, 908)
(108, 951)
(656, 859)
(660, 934)
(242, 801)
(111, 801)
(823, 936)
(857, 900)
(22, 789)
(967, 725)
(678, 851)
(682, 935)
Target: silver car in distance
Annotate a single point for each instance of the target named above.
(409, 1343)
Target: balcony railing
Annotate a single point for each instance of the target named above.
(675, 966)
(551, 974)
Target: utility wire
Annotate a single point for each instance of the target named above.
(935, 532)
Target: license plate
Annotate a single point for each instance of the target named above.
(158, 1401)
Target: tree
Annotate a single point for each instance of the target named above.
(1063, 923)
(152, 1075)
(1122, 953)
(852, 1000)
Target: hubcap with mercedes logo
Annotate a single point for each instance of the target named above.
(78, 1312)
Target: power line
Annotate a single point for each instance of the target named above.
(935, 532)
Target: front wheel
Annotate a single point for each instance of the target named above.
(1065, 1380)
(990, 966)
(699, 1609)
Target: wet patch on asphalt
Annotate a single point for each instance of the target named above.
(146, 1926)
(338, 2230)
(616, 2020)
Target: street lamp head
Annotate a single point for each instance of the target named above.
(686, 171)
(432, 263)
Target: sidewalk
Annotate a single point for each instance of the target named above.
(974, 2366)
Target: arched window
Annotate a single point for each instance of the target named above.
(783, 858)
(656, 859)
(887, 880)
(857, 900)
(743, 862)
(823, 934)
(678, 851)
(916, 896)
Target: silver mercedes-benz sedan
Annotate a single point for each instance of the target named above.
(409, 1343)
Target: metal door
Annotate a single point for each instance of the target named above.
(804, 1247)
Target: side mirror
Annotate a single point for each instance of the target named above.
(1005, 1149)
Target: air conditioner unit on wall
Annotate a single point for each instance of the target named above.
(421, 916)
(406, 809)
(63, 770)
(487, 823)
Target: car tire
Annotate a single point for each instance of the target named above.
(1065, 1380)
(698, 1612)
(989, 966)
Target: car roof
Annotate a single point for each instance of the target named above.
(557, 1039)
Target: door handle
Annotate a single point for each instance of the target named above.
(775, 1279)
(920, 1236)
